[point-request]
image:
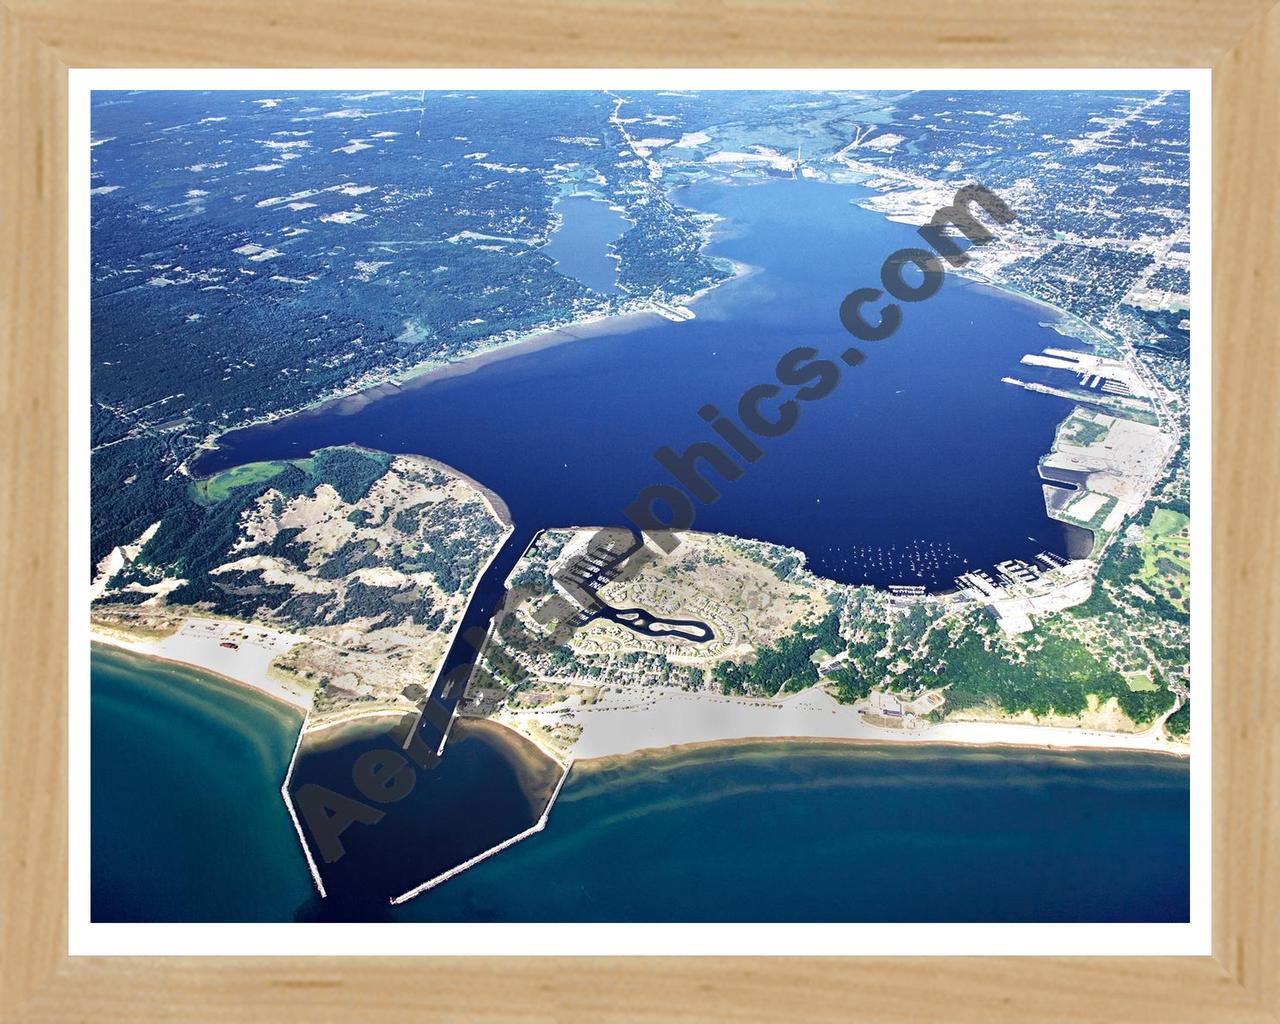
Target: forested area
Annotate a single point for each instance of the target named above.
(204, 531)
(249, 259)
(787, 665)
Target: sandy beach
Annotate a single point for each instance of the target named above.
(669, 717)
(198, 643)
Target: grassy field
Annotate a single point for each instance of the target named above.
(218, 487)
(1140, 681)
(1166, 557)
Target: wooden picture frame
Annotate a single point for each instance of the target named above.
(42, 39)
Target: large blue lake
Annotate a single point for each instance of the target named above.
(920, 465)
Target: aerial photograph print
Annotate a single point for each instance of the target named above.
(662, 505)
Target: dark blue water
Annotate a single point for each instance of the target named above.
(580, 246)
(490, 785)
(919, 465)
(827, 832)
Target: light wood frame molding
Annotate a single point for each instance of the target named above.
(42, 39)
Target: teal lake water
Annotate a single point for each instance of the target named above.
(188, 825)
(187, 819)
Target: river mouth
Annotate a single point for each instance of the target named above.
(492, 785)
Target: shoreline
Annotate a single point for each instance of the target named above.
(671, 719)
(967, 733)
(959, 734)
(335, 731)
(189, 650)
(352, 400)
(677, 749)
(598, 323)
(497, 506)
(237, 684)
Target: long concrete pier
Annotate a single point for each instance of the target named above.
(293, 814)
(453, 872)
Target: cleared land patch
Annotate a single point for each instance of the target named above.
(1166, 557)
